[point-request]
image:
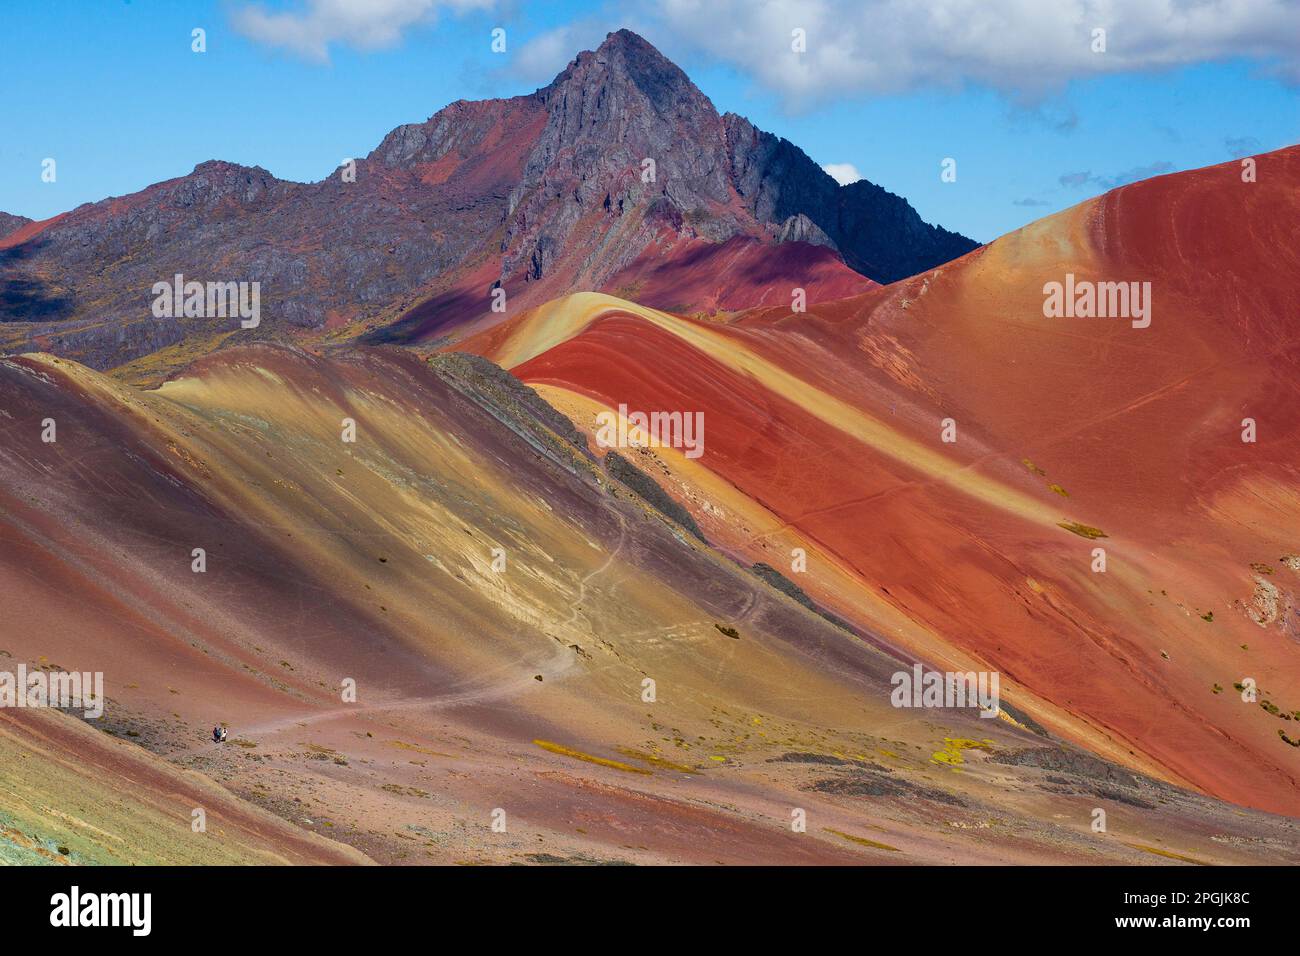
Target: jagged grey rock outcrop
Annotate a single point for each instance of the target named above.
(10, 223)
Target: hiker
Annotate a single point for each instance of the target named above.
(218, 734)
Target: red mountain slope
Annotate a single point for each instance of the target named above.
(825, 432)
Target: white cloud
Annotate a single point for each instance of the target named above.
(545, 55)
(312, 28)
(843, 173)
(1025, 48)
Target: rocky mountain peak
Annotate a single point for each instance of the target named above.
(629, 101)
(628, 63)
(620, 164)
(627, 133)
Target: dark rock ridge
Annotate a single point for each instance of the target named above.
(879, 234)
(651, 492)
(519, 402)
(543, 194)
(787, 587)
(1075, 771)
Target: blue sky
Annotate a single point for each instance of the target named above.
(1035, 119)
